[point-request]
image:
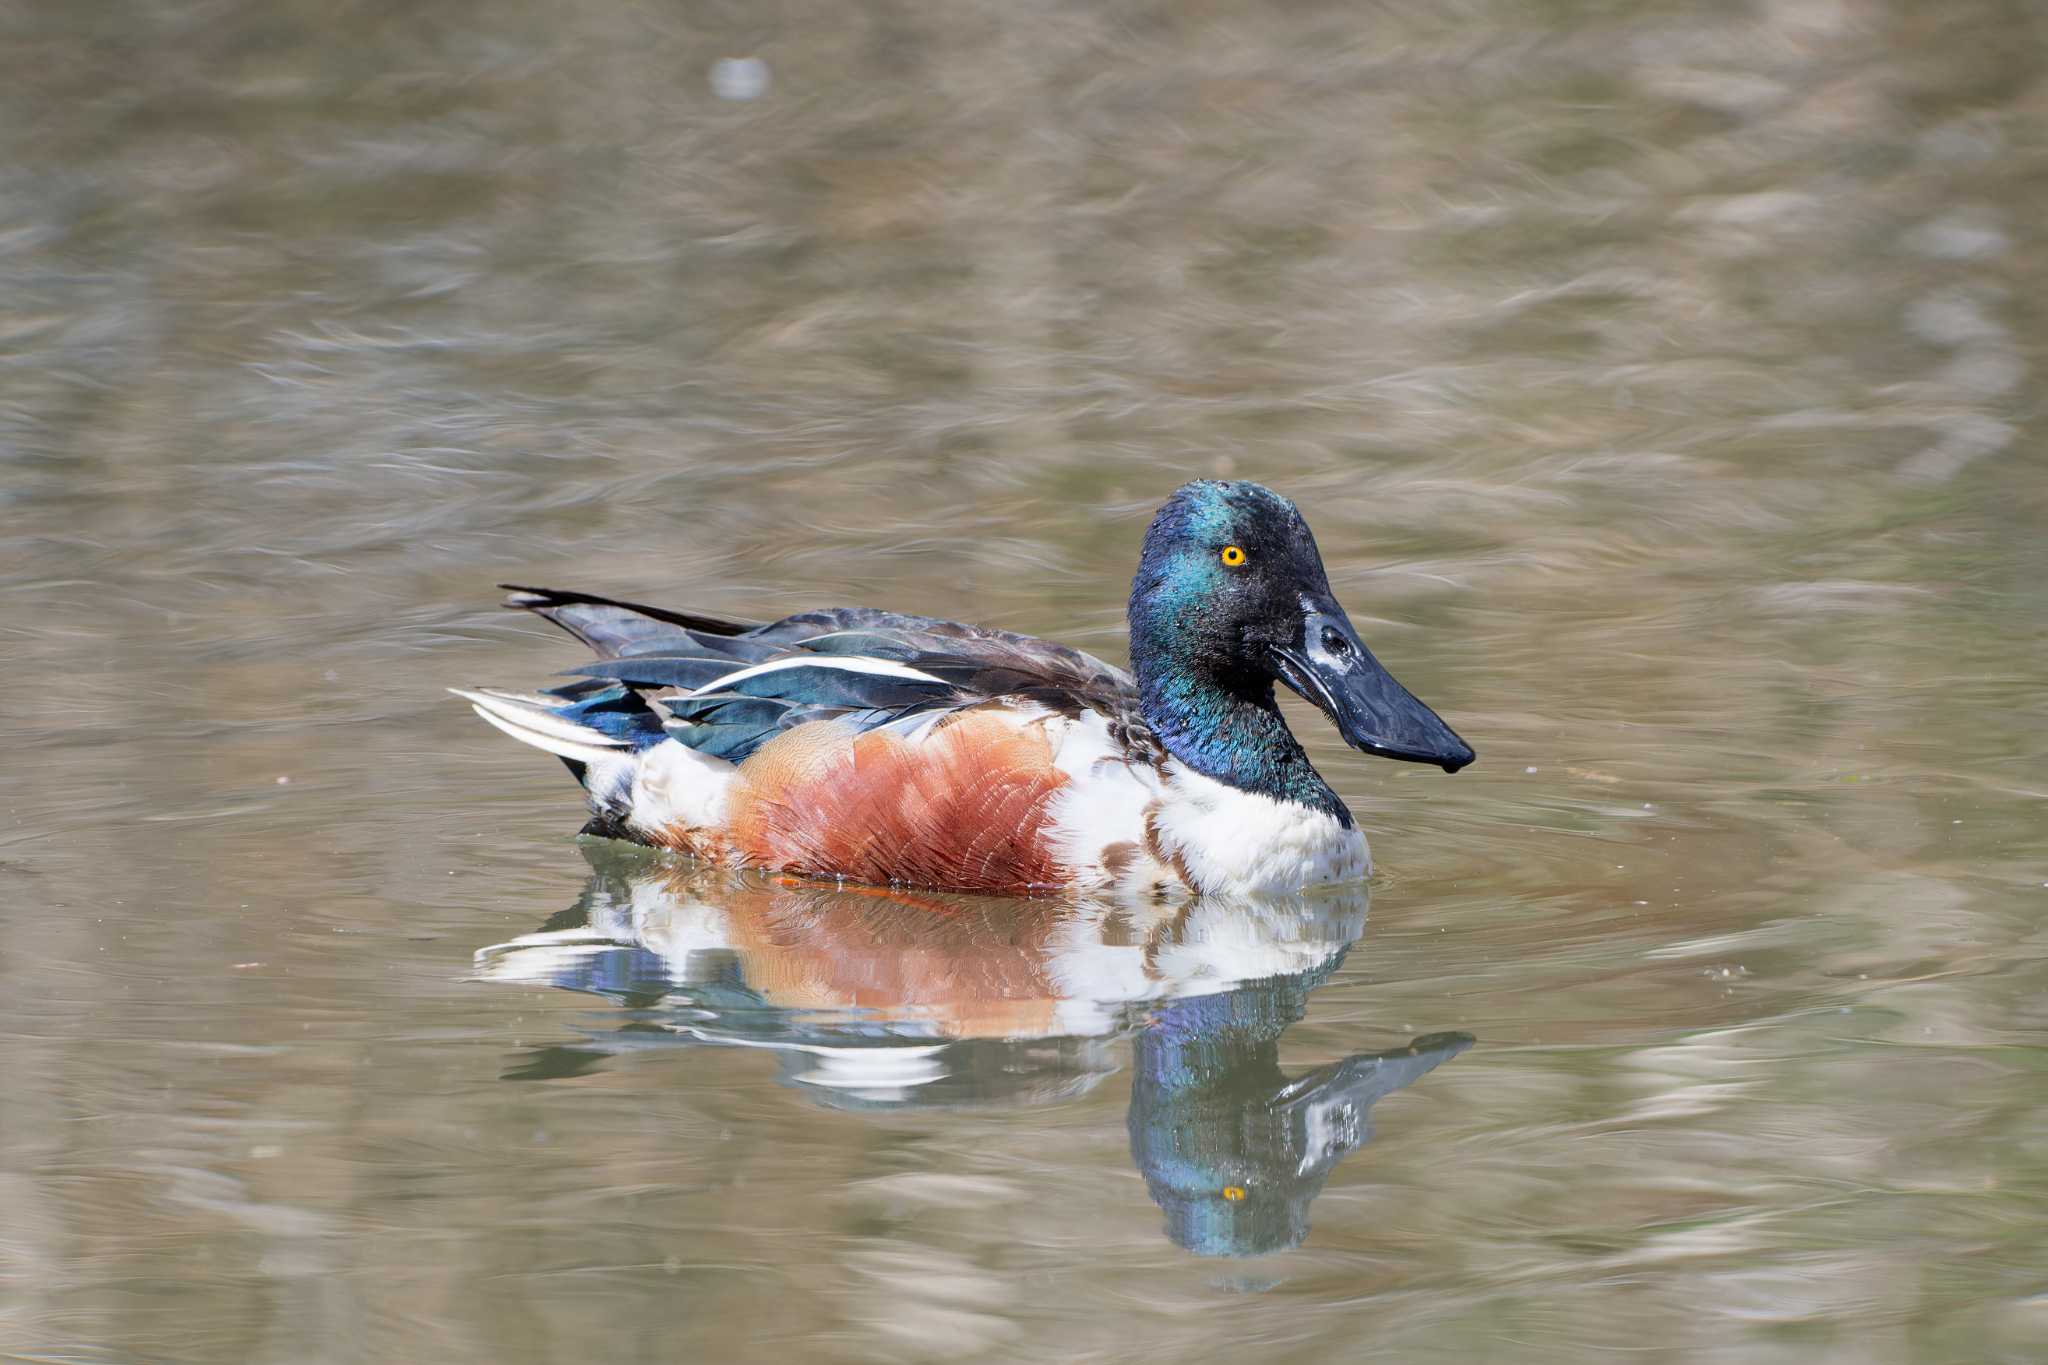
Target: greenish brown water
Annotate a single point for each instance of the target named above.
(1661, 382)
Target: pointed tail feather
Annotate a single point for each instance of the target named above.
(537, 720)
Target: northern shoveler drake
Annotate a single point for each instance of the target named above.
(879, 747)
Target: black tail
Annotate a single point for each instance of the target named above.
(611, 627)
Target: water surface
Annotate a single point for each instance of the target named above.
(1659, 380)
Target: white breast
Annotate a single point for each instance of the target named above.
(1136, 827)
(1232, 841)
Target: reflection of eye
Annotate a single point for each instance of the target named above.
(1233, 1192)
(1233, 556)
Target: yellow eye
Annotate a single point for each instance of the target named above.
(1233, 556)
(1234, 1192)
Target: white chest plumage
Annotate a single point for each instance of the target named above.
(1139, 828)
(1227, 840)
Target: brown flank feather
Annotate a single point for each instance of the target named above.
(966, 807)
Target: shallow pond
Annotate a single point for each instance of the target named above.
(1659, 381)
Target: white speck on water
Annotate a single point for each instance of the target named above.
(1528, 770)
(739, 78)
(1988, 371)
(1963, 235)
(1954, 318)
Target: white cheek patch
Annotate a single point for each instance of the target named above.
(1313, 643)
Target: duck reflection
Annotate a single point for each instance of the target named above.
(883, 999)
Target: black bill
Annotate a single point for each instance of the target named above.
(1330, 666)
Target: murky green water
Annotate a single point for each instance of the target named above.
(1661, 382)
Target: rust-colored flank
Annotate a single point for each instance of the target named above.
(964, 807)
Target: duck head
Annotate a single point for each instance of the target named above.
(1231, 597)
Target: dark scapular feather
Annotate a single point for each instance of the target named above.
(662, 658)
(661, 670)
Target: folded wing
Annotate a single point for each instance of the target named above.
(725, 687)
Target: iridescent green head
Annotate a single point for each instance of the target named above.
(1230, 597)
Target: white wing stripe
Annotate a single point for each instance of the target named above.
(845, 663)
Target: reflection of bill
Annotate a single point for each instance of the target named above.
(874, 998)
(1229, 1146)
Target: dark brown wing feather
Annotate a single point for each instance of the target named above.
(666, 656)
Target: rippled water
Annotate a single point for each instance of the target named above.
(1660, 382)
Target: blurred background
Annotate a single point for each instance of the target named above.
(1661, 380)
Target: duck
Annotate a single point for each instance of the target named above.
(879, 747)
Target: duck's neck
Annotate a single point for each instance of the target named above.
(1230, 730)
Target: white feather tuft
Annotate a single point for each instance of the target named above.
(531, 723)
(844, 663)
